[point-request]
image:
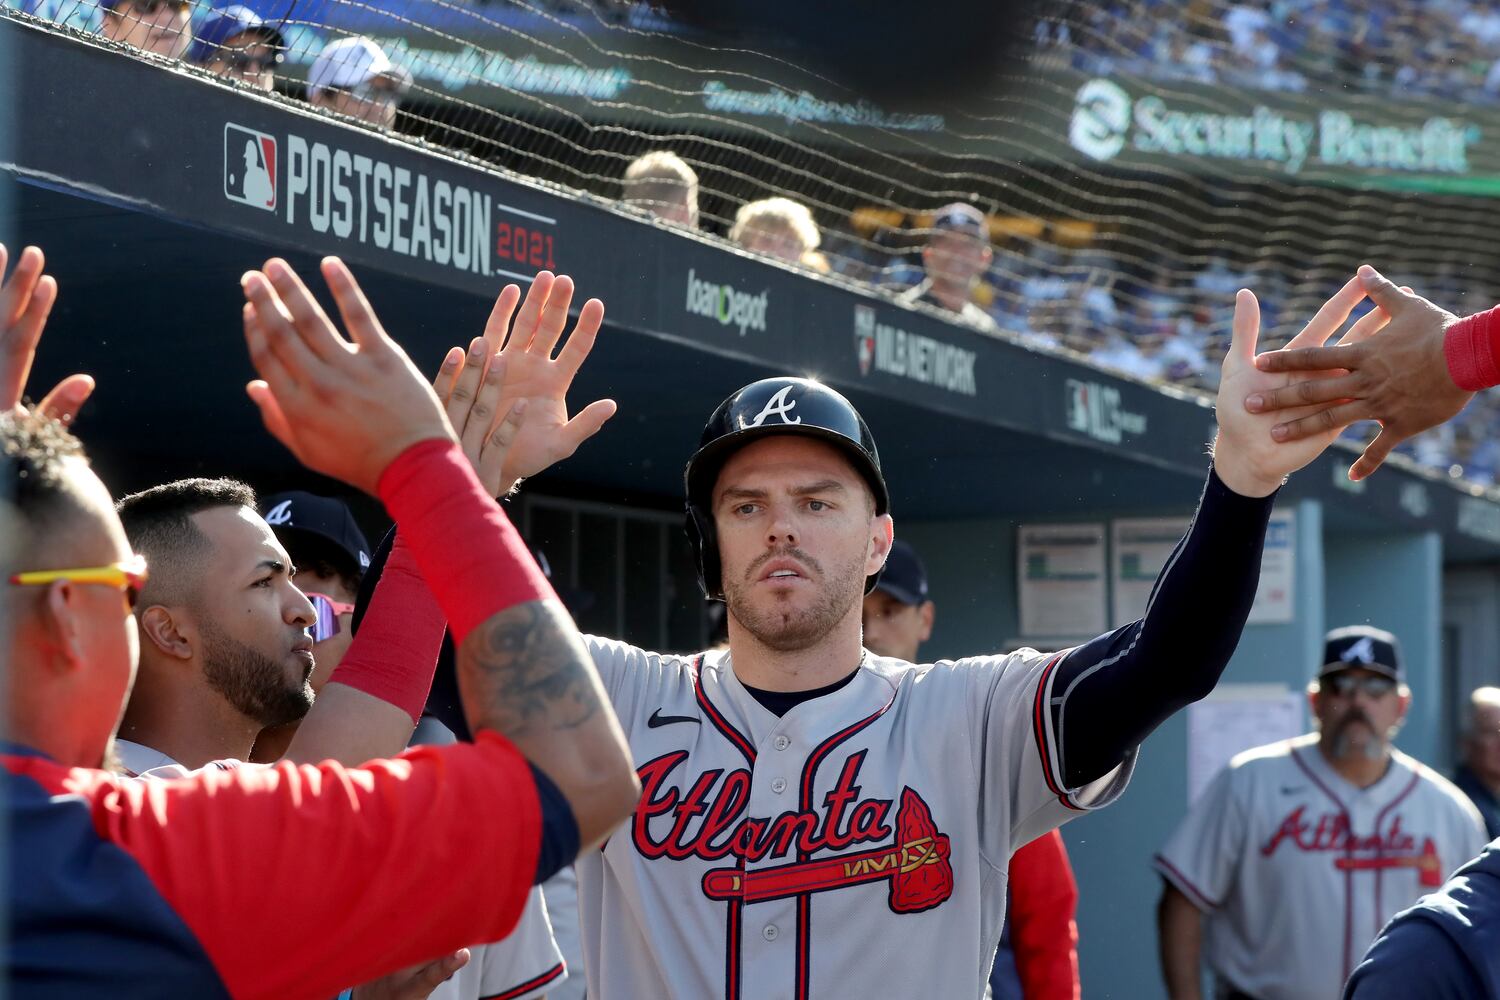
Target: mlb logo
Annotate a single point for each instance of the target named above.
(1078, 406)
(250, 167)
(864, 337)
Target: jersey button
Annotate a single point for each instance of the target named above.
(770, 933)
(782, 742)
(778, 785)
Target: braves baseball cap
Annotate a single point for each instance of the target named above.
(349, 62)
(1364, 647)
(296, 513)
(223, 24)
(904, 576)
(961, 217)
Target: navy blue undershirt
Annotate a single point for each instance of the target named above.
(778, 703)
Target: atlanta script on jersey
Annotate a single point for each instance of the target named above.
(1289, 859)
(856, 846)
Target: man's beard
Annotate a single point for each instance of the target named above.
(1342, 746)
(786, 629)
(252, 682)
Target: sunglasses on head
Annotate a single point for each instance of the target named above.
(327, 626)
(128, 576)
(1345, 685)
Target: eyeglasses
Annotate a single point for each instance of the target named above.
(129, 576)
(150, 7)
(1345, 685)
(245, 62)
(327, 626)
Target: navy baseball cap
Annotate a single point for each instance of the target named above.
(224, 23)
(298, 513)
(961, 217)
(904, 577)
(1364, 647)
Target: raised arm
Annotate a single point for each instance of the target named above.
(360, 412)
(26, 300)
(1111, 693)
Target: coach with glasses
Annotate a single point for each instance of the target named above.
(1297, 853)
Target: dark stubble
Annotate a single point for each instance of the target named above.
(255, 684)
(787, 629)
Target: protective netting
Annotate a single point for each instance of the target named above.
(1147, 159)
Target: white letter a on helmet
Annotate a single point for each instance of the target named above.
(778, 406)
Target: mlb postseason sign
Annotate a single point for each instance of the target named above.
(387, 205)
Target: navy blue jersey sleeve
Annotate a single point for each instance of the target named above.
(1413, 957)
(1112, 692)
(559, 828)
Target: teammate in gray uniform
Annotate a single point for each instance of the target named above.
(1299, 851)
(817, 821)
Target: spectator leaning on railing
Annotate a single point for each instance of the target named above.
(662, 184)
(354, 77)
(159, 26)
(235, 43)
(777, 227)
(956, 256)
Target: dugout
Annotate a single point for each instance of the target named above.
(147, 223)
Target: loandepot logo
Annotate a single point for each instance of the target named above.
(1107, 120)
(727, 304)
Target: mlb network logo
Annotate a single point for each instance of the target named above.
(864, 337)
(250, 167)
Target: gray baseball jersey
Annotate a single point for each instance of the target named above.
(856, 846)
(525, 965)
(1297, 869)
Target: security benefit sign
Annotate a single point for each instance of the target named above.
(1061, 580)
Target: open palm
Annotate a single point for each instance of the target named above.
(1248, 459)
(524, 340)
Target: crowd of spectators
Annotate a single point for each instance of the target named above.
(1436, 48)
(1164, 329)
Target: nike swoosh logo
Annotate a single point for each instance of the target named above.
(658, 720)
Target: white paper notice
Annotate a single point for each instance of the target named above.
(1278, 572)
(1233, 719)
(1139, 548)
(1060, 569)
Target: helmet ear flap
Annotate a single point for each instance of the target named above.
(700, 531)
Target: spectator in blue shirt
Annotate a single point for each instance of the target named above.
(1479, 774)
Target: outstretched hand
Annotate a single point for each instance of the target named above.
(1246, 456)
(486, 423)
(523, 342)
(1398, 377)
(26, 300)
(344, 409)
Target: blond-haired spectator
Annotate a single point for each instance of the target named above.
(662, 184)
(777, 227)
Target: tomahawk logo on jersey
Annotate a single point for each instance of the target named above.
(761, 840)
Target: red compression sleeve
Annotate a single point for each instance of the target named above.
(470, 554)
(1472, 349)
(395, 653)
(1043, 931)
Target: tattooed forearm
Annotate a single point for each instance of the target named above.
(526, 672)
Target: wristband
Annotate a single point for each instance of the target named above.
(470, 554)
(1470, 347)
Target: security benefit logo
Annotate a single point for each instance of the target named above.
(250, 167)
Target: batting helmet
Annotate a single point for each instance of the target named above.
(772, 406)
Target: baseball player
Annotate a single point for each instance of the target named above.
(1299, 851)
(819, 821)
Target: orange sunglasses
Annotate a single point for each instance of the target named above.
(129, 576)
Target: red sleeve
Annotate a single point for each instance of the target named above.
(1043, 932)
(303, 880)
(1472, 349)
(395, 653)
